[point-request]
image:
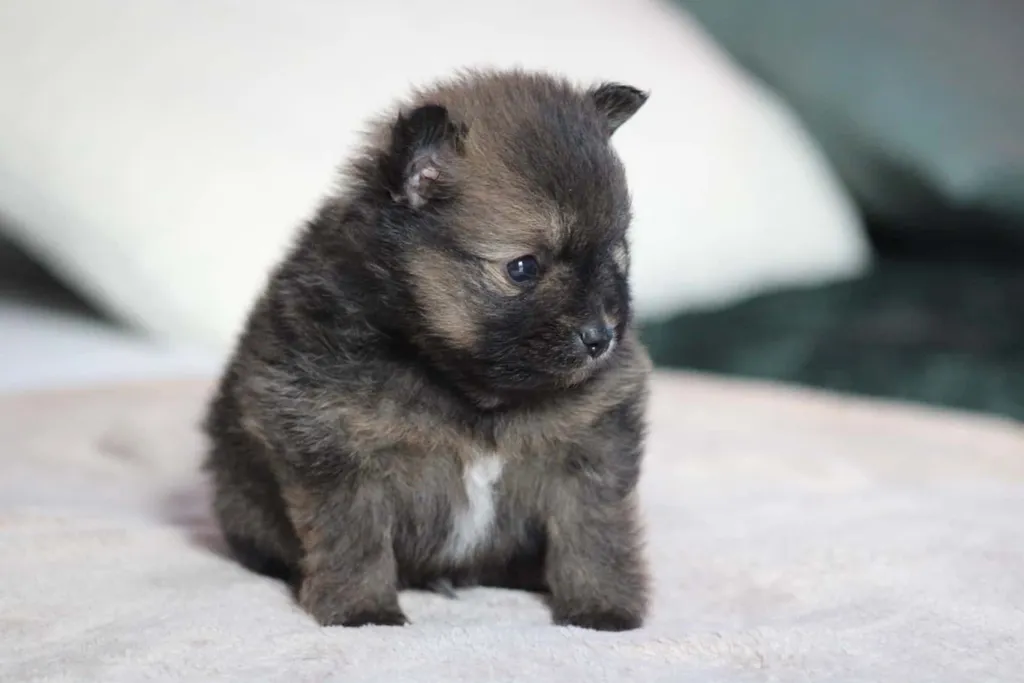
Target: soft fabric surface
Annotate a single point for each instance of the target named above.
(794, 537)
(161, 154)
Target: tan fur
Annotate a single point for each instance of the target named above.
(443, 297)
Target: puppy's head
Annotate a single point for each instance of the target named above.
(505, 210)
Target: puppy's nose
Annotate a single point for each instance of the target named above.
(596, 338)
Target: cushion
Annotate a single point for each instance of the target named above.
(160, 155)
(793, 536)
(918, 103)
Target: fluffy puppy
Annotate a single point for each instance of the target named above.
(440, 384)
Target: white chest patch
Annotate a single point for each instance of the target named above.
(472, 521)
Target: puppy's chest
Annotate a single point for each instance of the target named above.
(471, 496)
(475, 503)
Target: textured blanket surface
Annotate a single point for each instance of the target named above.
(794, 536)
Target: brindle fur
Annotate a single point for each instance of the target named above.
(390, 350)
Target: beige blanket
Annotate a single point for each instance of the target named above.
(794, 537)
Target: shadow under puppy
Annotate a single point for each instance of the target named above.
(440, 382)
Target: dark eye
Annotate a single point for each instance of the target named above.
(523, 269)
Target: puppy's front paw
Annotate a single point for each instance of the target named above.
(334, 608)
(389, 616)
(600, 620)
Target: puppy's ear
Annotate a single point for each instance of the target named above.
(422, 141)
(617, 103)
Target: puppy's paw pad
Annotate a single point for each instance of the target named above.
(377, 617)
(329, 609)
(601, 621)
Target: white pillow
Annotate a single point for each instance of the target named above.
(161, 154)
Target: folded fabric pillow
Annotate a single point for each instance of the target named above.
(918, 103)
(160, 155)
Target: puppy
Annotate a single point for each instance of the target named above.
(440, 384)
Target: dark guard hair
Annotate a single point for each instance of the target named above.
(440, 383)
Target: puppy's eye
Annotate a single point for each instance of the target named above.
(523, 269)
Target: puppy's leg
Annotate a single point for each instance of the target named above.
(350, 576)
(248, 508)
(257, 538)
(595, 569)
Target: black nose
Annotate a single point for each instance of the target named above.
(596, 338)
